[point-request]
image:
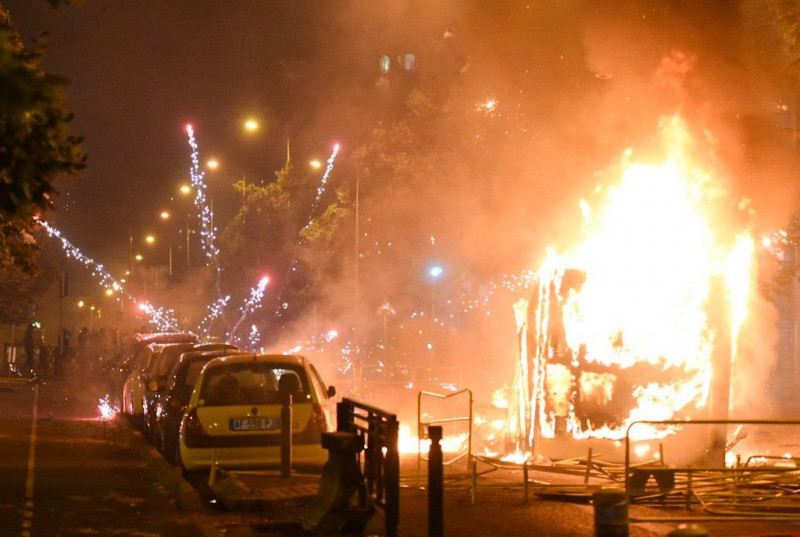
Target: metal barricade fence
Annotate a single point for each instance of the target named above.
(763, 487)
(422, 426)
(381, 461)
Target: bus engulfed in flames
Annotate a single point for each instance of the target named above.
(619, 328)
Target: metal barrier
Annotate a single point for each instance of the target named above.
(423, 426)
(381, 462)
(763, 488)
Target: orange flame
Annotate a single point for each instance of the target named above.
(648, 257)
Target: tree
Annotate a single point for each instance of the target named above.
(35, 151)
(276, 234)
(35, 148)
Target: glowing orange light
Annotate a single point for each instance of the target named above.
(251, 125)
(647, 258)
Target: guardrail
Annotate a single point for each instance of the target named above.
(381, 462)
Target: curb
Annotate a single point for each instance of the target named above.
(185, 496)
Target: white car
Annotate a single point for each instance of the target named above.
(233, 415)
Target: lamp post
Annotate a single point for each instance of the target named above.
(435, 272)
(186, 190)
(165, 216)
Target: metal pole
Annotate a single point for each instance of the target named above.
(188, 263)
(435, 483)
(392, 477)
(286, 436)
(357, 370)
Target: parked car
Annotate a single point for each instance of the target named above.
(233, 415)
(124, 362)
(155, 374)
(171, 404)
(133, 389)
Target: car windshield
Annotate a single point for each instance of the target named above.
(252, 384)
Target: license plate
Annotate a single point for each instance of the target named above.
(255, 424)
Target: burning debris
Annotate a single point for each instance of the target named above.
(620, 328)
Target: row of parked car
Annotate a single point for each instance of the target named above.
(203, 402)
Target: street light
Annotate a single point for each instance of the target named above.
(251, 125)
(185, 191)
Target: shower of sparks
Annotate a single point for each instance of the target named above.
(107, 410)
(252, 303)
(254, 339)
(207, 231)
(214, 311)
(105, 279)
(163, 318)
(316, 343)
(323, 184)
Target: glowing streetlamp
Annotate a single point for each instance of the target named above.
(251, 125)
(150, 239)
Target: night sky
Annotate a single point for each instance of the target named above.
(484, 189)
(577, 83)
(138, 72)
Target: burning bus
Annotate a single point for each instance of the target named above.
(640, 320)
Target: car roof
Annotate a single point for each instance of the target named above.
(166, 337)
(284, 359)
(204, 353)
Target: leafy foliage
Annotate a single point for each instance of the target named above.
(35, 150)
(274, 234)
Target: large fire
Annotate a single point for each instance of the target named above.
(619, 328)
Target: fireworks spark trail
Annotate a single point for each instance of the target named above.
(207, 231)
(252, 303)
(254, 339)
(215, 309)
(321, 188)
(163, 319)
(104, 277)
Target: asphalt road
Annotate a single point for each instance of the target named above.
(66, 472)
